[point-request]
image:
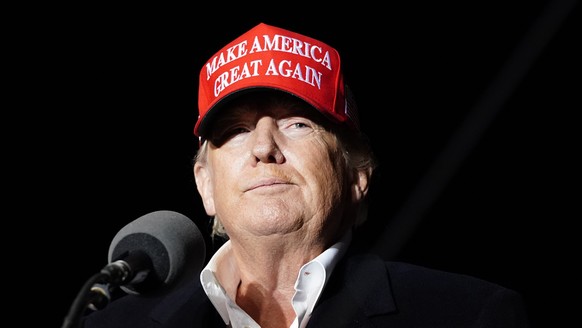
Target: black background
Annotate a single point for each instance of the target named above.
(103, 132)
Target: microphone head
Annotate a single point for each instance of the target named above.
(172, 242)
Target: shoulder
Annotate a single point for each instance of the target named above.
(408, 278)
(122, 311)
(447, 294)
(435, 295)
(411, 277)
(182, 308)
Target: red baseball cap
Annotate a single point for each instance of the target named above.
(274, 58)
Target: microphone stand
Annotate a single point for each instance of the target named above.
(95, 293)
(85, 297)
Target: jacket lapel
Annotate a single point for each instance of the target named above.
(358, 289)
(186, 308)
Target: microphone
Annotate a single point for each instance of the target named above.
(152, 255)
(156, 253)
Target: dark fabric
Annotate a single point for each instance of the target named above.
(363, 291)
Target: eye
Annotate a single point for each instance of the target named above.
(296, 123)
(225, 134)
(237, 130)
(300, 125)
(297, 127)
(234, 131)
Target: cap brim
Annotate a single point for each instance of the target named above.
(214, 111)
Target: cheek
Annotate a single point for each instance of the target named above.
(327, 177)
(227, 170)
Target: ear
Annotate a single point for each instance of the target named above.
(361, 184)
(205, 187)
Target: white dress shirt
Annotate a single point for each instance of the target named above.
(311, 279)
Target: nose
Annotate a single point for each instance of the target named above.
(265, 146)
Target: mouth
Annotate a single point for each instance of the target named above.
(268, 184)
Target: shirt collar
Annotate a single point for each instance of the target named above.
(220, 278)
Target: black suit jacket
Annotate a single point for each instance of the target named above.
(363, 291)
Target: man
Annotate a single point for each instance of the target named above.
(284, 170)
